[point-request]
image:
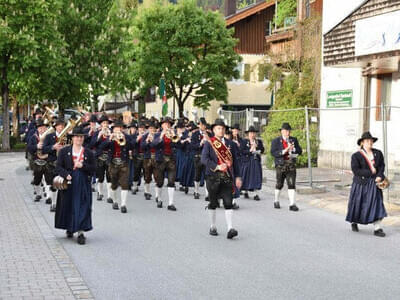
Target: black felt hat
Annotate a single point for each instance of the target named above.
(286, 126)
(118, 123)
(218, 122)
(366, 136)
(133, 124)
(60, 121)
(253, 129)
(93, 118)
(203, 121)
(236, 126)
(38, 111)
(78, 131)
(167, 119)
(103, 118)
(40, 122)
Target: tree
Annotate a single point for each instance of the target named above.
(30, 52)
(188, 47)
(285, 9)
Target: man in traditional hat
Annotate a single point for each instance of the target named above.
(285, 150)
(76, 165)
(97, 144)
(198, 139)
(51, 146)
(118, 146)
(149, 155)
(90, 130)
(220, 157)
(31, 130)
(35, 148)
(138, 157)
(166, 161)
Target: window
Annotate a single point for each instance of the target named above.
(383, 95)
(247, 72)
(308, 9)
(240, 68)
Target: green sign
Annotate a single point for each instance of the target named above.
(339, 98)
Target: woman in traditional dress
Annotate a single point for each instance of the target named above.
(366, 199)
(75, 164)
(251, 169)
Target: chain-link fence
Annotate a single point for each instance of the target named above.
(328, 137)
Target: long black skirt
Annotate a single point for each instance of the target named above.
(365, 203)
(74, 205)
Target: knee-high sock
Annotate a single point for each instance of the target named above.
(147, 188)
(196, 186)
(109, 193)
(228, 218)
(48, 191)
(158, 193)
(113, 195)
(135, 184)
(277, 193)
(100, 188)
(377, 225)
(171, 192)
(212, 213)
(205, 189)
(292, 196)
(124, 196)
(53, 197)
(38, 190)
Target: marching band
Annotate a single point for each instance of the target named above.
(110, 157)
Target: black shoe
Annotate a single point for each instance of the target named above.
(69, 234)
(207, 199)
(277, 205)
(181, 189)
(213, 231)
(109, 200)
(93, 190)
(246, 195)
(134, 191)
(235, 206)
(48, 201)
(186, 190)
(44, 196)
(196, 196)
(123, 209)
(156, 199)
(354, 227)
(99, 197)
(159, 204)
(231, 234)
(37, 198)
(81, 239)
(379, 233)
(293, 207)
(257, 198)
(147, 196)
(115, 205)
(52, 208)
(171, 207)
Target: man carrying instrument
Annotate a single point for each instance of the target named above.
(149, 162)
(118, 145)
(138, 157)
(220, 158)
(35, 147)
(51, 145)
(165, 142)
(97, 143)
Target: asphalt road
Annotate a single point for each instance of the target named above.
(152, 253)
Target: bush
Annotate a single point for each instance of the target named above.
(19, 146)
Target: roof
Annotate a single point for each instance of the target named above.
(352, 12)
(248, 11)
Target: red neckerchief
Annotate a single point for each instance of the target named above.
(285, 145)
(80, 158)
(369, 162)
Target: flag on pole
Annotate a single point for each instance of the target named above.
(163, 95)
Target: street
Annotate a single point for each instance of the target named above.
(152, 253)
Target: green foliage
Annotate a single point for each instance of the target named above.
(190, 48)
(296, 92)
(247, 72)
(286, 8)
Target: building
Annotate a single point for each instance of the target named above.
(360, 73)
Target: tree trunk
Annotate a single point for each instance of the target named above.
(15, 117)
(180, 107)
(5, 97)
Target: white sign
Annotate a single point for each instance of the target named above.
(378, 34)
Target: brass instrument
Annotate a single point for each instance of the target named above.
(62, 138)
(119, 137)
(384, 184)
(106, 132)
(40, 154)
(48, 115)
(170, 133)
(150, 137)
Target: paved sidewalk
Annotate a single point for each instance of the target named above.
(33, 264)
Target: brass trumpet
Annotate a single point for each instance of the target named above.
(172, 135)
(119, 137)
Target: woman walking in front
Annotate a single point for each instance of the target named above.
(366, 199)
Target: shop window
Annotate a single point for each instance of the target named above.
(383, 95)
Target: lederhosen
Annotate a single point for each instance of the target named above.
(167, 164)
(102, 166)
(118, 168)
(149, 162)
(41, 168)
(220, 185)
(286, 171)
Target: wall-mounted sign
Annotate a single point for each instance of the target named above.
(378, 34)
(339, 98)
